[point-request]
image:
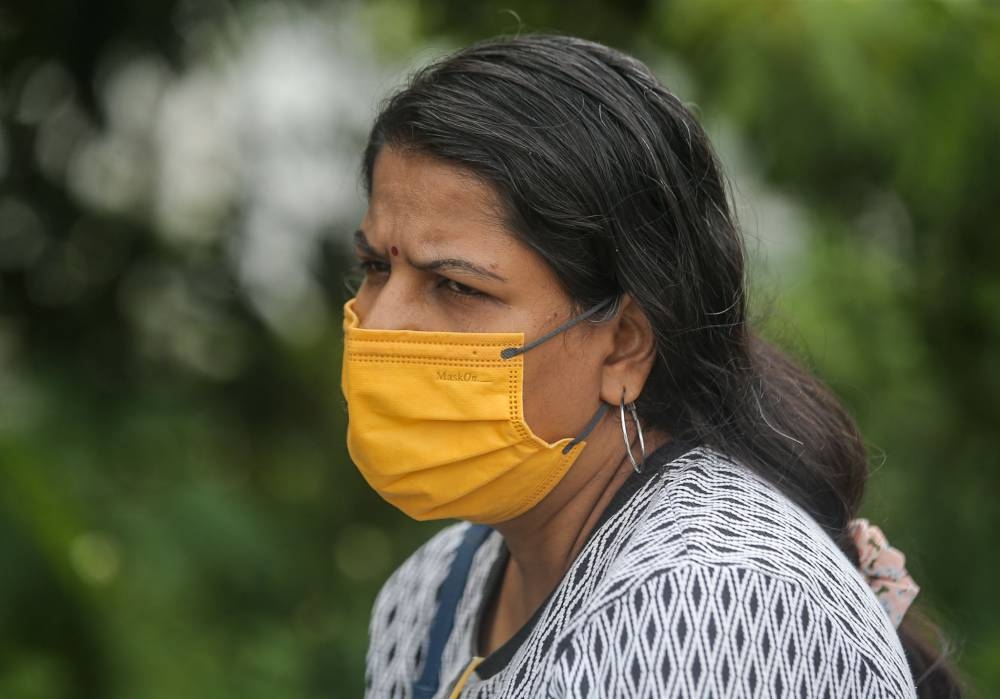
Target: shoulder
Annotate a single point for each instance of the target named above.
(433, 555)
(726, 579)
(699, 630)
(415, 582)
(723, 514)
(709, 509)
(404, 608)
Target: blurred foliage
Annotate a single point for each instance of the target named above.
(178, 516)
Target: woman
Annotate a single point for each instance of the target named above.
(550, 344)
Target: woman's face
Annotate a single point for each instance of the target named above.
(437, 257)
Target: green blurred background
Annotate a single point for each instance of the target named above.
(178, 181)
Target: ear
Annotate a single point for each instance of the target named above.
(631, 358)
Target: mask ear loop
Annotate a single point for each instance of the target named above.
(510, 352)
(602, 408)
(642, 442)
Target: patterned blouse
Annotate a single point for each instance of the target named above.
(701, 579)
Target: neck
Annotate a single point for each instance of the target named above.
(544, 541)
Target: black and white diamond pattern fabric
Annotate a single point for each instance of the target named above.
(707, 582)
(736, 633)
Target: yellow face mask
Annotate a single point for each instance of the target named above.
(436, 421)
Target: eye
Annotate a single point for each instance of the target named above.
(458, 288)
(373, 267)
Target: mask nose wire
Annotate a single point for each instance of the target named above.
(510, 352)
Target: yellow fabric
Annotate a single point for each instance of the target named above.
(436, 424)
(469, 669)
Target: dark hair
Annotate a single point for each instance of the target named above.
(608, 176)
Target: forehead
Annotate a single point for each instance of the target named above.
(432, 209)
(419, 198)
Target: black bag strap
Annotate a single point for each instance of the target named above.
(444, 620)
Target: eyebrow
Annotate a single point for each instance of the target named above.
(361, 242)
(443, 264)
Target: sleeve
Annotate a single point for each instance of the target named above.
(711, 631)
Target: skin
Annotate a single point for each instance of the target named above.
(423, 210)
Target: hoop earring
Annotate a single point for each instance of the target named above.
(642, 442)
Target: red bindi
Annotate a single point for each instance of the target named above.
(394, 250)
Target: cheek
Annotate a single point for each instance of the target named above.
(561, 390)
